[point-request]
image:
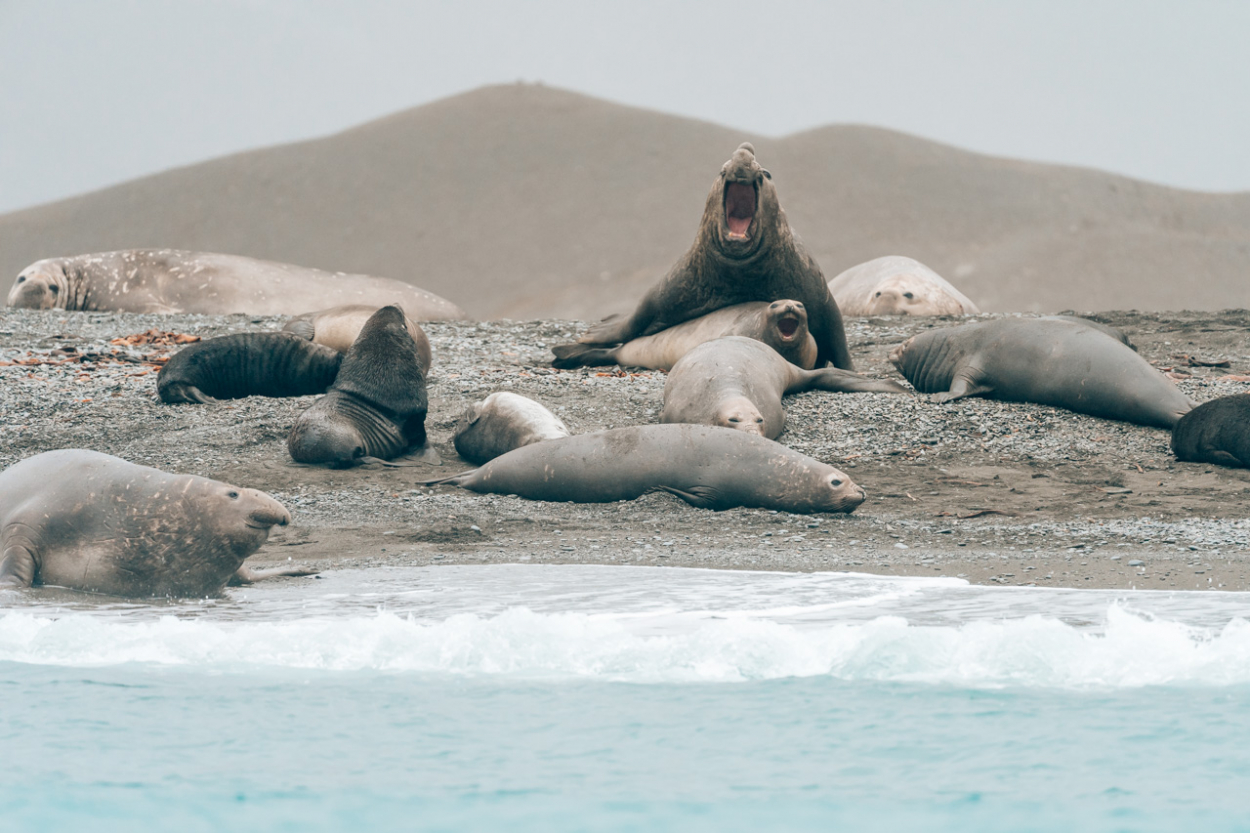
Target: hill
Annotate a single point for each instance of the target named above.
(524, 201)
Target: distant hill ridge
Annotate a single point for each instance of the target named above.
(524, 201)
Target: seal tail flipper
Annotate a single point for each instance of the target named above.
(17, 568)
(581, 355)
(183, 393)
(427, 455)
(246, 575)
(301, 327)
(701, 497)
(450, 480)
(844, 381)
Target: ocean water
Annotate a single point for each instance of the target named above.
(626, 698)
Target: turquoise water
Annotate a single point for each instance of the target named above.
(598, 698)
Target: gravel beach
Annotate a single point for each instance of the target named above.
(998, 493)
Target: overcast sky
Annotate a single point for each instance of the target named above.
(93, 93)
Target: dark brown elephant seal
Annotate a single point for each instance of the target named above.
(338, 328)
(174, 281)
(782, 325)
(1066, 364)
(744, 251)
(89, 521)
(738, 383)
(247, 364)
(706, 466)
(375, 410)
(1215, 432)
(502, 422)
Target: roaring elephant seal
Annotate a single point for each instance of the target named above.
(247, 364)
(1215, 432)
(1061, 363)
(738, 383)
(173, 281)
(744, 251)
(338, 328)
(90, 521)
(375, 410)
(897, 285)
(782, 325)
(504, 421)
(705, 465)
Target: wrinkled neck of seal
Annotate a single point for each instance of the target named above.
(742, 217)
(927, 361)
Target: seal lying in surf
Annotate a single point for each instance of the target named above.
(744, 251)
(174, 281)
(339, 327)
(897, 285)
(1066, 364)
(738, 383)
(90, 521)
(247, 364)
(502, 422)
(782, 325)
(706, 466)
(375, 410)
(1215, 432)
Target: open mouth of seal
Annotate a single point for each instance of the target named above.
(740, 199)
(788, 326)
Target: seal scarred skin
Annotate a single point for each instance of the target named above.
(1215, 432)
(377, 405)
(706, 466)
(175, 281)
(502, 422)
(738, 383)
(744, 251)
(90, 521)
(897, 285)
(1066, 364)
(247, 364)
(782, 325)
(339, 327)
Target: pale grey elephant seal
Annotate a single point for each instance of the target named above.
(1215, 432)
(782, 325)
(744, 251)
(375, 410)
(706, 466)
(502, 422)
(1061, 363)
(338, 328)
(89, 521)
(173, 281)
(247, 364)
(738, 383)
(897, 285)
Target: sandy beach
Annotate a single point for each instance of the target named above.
(997, 493)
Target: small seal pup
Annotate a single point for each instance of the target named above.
(375, 410)
(338, 328)
(738, 383)
(1052, 362)
(744, 251)
(782, 325)
(504, 421)
(1215, 432)
(896, 285)
(90, 521)
(247, 364)
(705, 465)
(172, 281)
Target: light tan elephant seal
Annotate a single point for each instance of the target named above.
(502, 422)
(897, 286)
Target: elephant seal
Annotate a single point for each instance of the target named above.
(90, 521)
(1061, 363)
(504, 421)
(782, 325)
(247, 364)
(338, 328)
(1215, 432)
(738, 383)
(744, 251)
(375, 410)
(897, 285)
(705, 465)
(173, 281)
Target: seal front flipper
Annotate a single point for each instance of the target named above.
(451, 480)
(614, 329)
(961, 388)
(700, 497)
(837, 380)
(569, 356)
(246, 575)
(182, 393)
(426, 455)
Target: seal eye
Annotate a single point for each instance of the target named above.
(735, 419)
(908, 295)
(233, 495)
(21, 279)
(54, 289)
(835, 482)
(766, 174)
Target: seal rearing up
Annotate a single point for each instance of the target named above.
(744, 251)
